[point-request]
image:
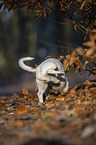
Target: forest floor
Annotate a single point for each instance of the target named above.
(63, 120)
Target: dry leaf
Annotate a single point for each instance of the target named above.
(2, 106)
(21, 110)
(90, 52)
(16, 123)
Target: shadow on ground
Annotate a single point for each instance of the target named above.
(44, 142)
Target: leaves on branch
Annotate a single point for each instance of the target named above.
(82, 59)
(81, 12)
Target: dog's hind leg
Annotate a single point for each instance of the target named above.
(42, 87)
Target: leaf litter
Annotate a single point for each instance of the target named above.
(65, 119)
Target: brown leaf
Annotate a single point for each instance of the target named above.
(30, 11)
(89, 44)
(2, 106)
(60, 98)
(44, 14)
(82, 5)
(86, 62)
(92, 37)
(77, 68)
(49, 114)
(61, 57)
(16, 123)
(35, 109)
(75, 27)
(66, 64)
(90, 52)
(26, 9)
(36, 16)
(80, 112)
(79, 50)
(24, 92)
(21, 110)
(49, 105)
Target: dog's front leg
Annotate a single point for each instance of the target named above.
(40, 96)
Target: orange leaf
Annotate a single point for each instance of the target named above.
(2, 106)
(80, 112)
(16, 123)
(75, 27)
(21, 110)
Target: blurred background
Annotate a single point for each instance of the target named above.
(20, 36)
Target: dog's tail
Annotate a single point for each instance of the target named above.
(24, 66)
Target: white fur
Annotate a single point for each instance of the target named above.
(50, 76)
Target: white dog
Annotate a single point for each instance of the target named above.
(50, 77)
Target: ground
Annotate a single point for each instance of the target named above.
(63, 120)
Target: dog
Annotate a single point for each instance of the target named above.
(50, 77)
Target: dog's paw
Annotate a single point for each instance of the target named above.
(41, 104)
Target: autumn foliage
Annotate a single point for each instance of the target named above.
(70, 118)
(67, 119)
(83, 15)
(82, 59)
(81, 12)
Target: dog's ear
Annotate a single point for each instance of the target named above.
(54, 72)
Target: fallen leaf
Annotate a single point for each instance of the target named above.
(24, 92)
(16, 123)
(21, 110)
(80, 112)
(2, 106)
(58, 99)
